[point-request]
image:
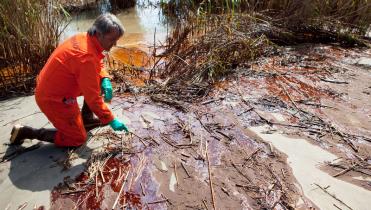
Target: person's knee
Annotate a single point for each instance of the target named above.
(80, 141)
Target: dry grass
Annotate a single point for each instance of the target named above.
(204, 52)
(215, 39)
(351, 16)
(211, 54)
(30, 31)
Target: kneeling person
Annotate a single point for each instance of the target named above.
(75, 69)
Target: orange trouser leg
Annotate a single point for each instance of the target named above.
(66, 118)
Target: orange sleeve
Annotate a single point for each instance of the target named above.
(103, 72)
(88, 80)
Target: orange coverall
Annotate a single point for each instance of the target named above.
(73, 69)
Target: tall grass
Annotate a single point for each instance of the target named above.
(349, 15)
(216, 38)
(29, 32)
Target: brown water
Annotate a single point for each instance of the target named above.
(143, 24)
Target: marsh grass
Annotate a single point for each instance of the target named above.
(340, 16)
(216, 38)
(29, 32)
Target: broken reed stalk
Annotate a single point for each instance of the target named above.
(346, 170)
(185, 169)
(159, 201)
(96, 186)
(289, 96)
(151, 74)
(122, 145)
(240, 172)
(22, 206)
(210, 179)
(176, 174)
(121, 189)
(142, 188)
(140, 138)
(204, 202)
(333, 196)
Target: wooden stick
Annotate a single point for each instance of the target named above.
(204, 202)
(96, 186)
(337, 206)
(185, 169)
(176, 174)
(240, 172)
(289, 96)
(158, 144)
(22, 206)
(143, 192)
(225, 135)
(165, 139)
(101, 174)
(72, 192)
(252, 154)
(140, 138)
(122, 145)
(324, 190)
(333, 81)
(159, 201)
(210, 179)
(167, 199)
(345, 171)
(121, 189)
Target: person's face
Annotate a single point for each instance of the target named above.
(109, 40)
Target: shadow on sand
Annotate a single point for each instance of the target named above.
(39, 167)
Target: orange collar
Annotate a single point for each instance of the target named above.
(97, 45)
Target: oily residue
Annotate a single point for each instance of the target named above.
(130, 56)
(89, 192)
(294, 83)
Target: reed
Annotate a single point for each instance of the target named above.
(352, 16)
(29, 32)
(217, 38)
(204, 51)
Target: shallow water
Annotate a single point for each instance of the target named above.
(140, 22)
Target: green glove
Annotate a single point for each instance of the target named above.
(117, 125)
(106, 89)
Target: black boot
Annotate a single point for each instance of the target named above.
(90, 121)
(20, 133)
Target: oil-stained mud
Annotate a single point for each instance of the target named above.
(209, 156)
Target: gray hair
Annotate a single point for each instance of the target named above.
(105, 24)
